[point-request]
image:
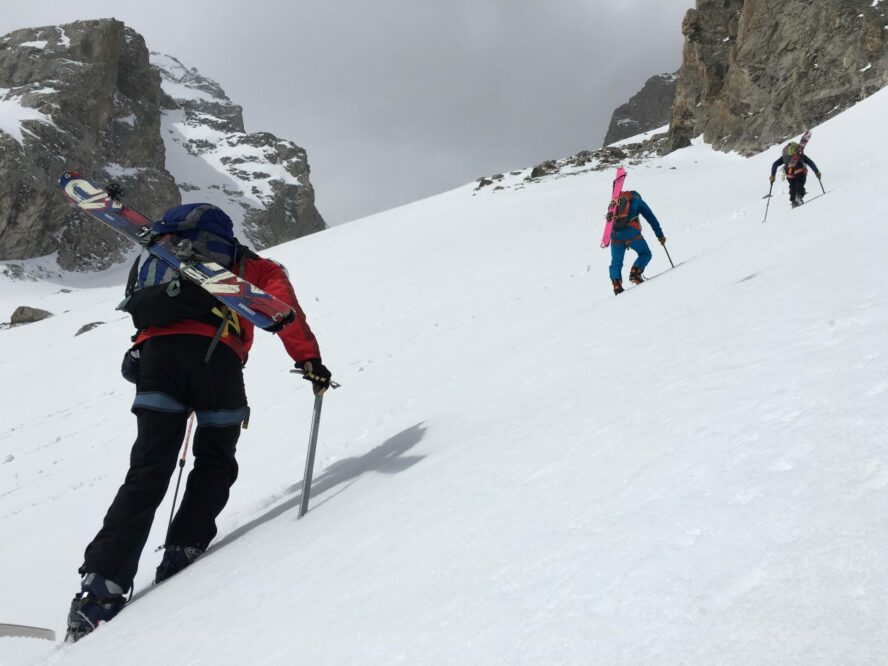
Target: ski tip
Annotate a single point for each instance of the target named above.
(69, 176)
(24, 631)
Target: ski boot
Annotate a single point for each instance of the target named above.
(175, 558)
(99, 601)
(635, 276)
(618, 287)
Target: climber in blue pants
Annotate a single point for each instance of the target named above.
(626, 233)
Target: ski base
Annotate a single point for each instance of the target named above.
(24, 631)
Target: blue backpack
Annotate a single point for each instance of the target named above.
(156, 295)
(199, 231)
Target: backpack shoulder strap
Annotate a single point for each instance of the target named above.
(133, 276)
(130, 285)
(241, 254)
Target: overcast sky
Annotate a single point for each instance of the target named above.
(396, 100)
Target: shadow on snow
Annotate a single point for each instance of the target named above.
(387, 458)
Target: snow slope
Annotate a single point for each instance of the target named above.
(520, 468)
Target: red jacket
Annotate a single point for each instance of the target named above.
(269, 276)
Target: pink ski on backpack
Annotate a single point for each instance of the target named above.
(612, 208)
(795, 159)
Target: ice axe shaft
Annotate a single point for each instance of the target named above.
(310, 456)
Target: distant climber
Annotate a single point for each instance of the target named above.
(795, 165)
(626, 233)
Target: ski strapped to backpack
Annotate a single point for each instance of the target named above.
(155, 293)
(793, 153)
(609, 217)
(220, 283)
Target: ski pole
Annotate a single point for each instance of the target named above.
(668, 257)
(310, 456)
(181, 467)
(768, 205)
(821, 184)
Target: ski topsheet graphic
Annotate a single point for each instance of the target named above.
(247, 300)
(612, 208)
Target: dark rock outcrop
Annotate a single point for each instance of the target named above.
(90, 102)
(582, 162)
(755, 72)
(86, 96)
(648, 109)
(27, 315)
(88, 327)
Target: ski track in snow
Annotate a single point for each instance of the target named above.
(520, 468)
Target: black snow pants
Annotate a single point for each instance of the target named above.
(797, 186)
(174, 380)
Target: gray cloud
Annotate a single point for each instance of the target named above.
(396, 100)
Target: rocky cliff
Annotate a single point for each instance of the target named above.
(261, 180)
(755, 72)
(86, 96)
(648, 109)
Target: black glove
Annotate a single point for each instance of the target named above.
(662, 240)
(317, 373)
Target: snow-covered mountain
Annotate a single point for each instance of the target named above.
(214, 159)
(519, 467)
(87, 96)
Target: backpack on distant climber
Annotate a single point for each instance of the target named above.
(621, 213)
(792, 153)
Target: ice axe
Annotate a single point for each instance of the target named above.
(312, 447)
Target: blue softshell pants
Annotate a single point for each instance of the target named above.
(618, 251)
